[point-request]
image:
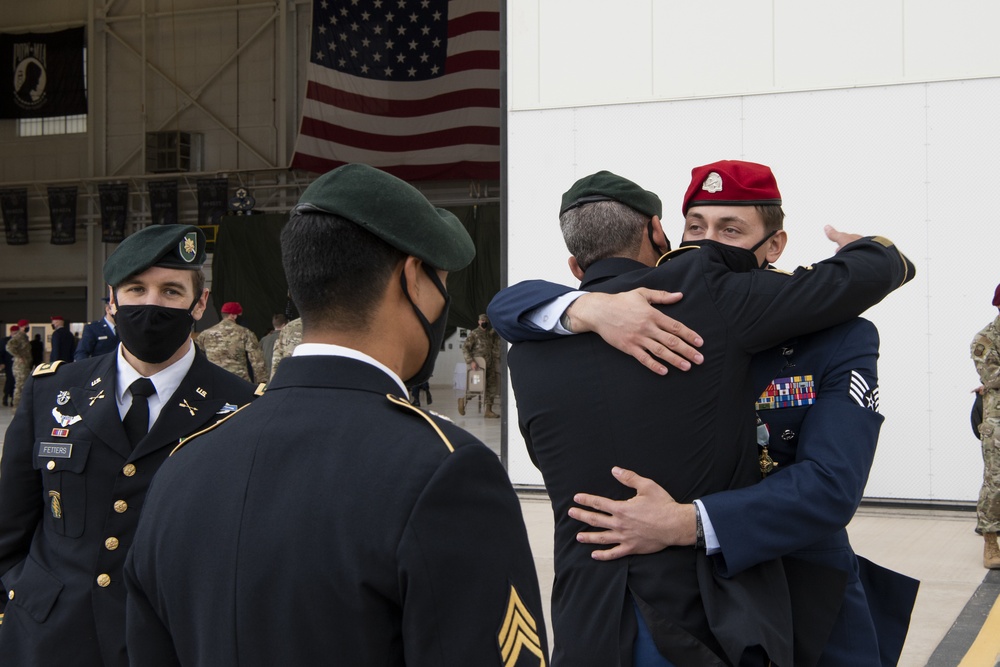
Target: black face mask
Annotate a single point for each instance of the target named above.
(485, 326)
(763, 263)
(434, 330)
(153, 333)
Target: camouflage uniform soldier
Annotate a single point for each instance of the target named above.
(484, 342)
(986, 355)
(19, 347)
(229, 345)
(288, 339)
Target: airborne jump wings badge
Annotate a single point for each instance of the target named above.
(65, 420)
(518, 635)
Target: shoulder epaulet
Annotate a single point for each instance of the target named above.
(185, 440)
(883, 241)
(46, 369)
(259, 391)
(666, 257)
(788, 273)
(395, 400)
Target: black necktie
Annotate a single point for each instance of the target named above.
(137, 418)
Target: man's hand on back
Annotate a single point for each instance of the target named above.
(648, 522)
(629, 322)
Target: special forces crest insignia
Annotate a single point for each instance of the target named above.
(62, 398)
(188, 247)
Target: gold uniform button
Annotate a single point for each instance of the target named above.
(111, 543)
(121, 506)
(10, 595)
(103, 580)
(128, 470)
(51, 465)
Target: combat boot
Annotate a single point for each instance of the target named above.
(461, 406)
(489, 414)
(991, 552)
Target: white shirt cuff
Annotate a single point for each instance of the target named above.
(546, 317)
(712, 545)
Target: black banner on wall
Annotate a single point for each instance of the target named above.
(62, 211)
(163, 201)
(14, 203)
(213, 199)
(41, 74)
(114, 211)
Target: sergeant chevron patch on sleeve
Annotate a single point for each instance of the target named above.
(862, 394)
(518, 635)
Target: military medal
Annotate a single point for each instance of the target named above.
(60, 433)
(767, 464)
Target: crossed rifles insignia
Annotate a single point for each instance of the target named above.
(518, 636)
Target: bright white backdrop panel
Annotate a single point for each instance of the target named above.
(917, 163)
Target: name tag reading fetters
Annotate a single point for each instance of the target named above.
(56, 450)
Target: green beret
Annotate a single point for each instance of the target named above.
(394, 211)
(169, 246)
(605, 186)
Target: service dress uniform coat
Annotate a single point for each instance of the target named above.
(62, 345)
(331, 522)
(71, 490)
(820, 408)
(98, 338)
(581, 418)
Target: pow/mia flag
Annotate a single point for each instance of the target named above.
(41, 74)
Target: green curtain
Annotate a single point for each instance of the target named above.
(473, 287)
(246, 267)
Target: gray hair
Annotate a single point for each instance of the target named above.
(602, 229)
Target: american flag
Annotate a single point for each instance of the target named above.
(409, 86)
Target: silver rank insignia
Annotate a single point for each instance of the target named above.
(62, 398)
(713, 183)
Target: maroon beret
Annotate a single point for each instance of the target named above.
(731, 183)
(233, 307)
(22, 323)
(996, 296)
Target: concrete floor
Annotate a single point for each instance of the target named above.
(937, 547)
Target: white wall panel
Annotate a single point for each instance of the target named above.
(569, 53)
(706, 47)
(911, 162)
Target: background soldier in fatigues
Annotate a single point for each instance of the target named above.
(233, 346)
(986, 356)
(19, 347)
(396, 538)
(483, 342)
(82, 449)
(288, 339)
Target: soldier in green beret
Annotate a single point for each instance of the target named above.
(84, 445)
(335, 522)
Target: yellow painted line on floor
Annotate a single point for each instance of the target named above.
(986, 649)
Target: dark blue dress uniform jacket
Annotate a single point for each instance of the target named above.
(70, 502)
(98, 338)
(331, 524)
(801, 509)
(584, 407)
